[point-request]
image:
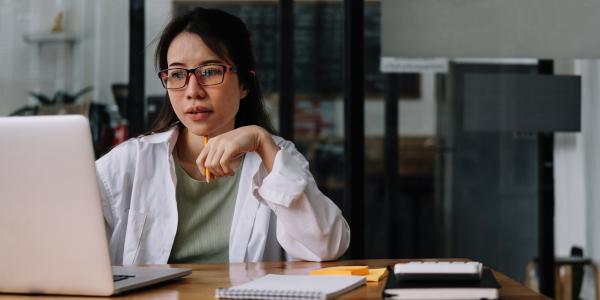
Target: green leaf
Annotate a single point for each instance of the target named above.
(60, 97)
(42, 98)
(20, 111)
(82, 92)
(69, 99)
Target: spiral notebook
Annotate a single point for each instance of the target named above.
(291, 287)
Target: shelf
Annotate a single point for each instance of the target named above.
(45, 38)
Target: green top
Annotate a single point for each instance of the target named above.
(205, 212)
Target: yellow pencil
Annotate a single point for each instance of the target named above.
(207, 171)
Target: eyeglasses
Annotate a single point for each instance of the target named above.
(205, 75)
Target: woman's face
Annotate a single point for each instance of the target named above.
(204, 110)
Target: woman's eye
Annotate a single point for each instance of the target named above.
(210, 72)
(177, 75)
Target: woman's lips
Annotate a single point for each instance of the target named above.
(196, 116)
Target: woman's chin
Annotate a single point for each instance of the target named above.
(199, 131)
(207, 128)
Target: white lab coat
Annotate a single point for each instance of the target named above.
(283, 208)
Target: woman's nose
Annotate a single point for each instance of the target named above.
(194, 89)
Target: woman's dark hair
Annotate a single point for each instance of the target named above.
(227, 36)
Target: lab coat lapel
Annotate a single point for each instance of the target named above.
(152, 227)
(246, 207)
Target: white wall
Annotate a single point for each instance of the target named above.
(576, 173)
(508, 28)
(158, 15)
(569, 176)
(590, 71)
(99, 57)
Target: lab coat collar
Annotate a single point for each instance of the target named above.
(169, 136)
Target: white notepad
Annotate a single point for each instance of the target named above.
(275, 287)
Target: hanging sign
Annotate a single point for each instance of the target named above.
(413, 65)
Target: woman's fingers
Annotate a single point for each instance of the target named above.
(215, 162)
(201, 161)
(216, 159)
(225, 163)
(219, 152)
(210, 148)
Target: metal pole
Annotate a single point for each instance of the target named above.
(546, 201)
(390, 155)
(354, 126)
(136, 107)
(285, 19)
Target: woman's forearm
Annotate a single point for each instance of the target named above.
(267, 149)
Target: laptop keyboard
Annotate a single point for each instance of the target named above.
(121, 277)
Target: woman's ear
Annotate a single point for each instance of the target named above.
(245, 87)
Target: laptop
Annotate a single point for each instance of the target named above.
(52, 230)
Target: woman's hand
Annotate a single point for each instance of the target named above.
(222, 149)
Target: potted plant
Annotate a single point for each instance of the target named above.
(61, 97)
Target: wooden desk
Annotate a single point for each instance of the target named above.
(201, 284)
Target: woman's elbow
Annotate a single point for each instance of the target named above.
(336, 244)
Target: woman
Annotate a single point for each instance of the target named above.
(158, 206)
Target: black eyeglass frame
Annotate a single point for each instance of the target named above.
(193, 71)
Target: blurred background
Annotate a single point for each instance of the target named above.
(467, 175)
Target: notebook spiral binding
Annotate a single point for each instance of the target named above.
(268, 294)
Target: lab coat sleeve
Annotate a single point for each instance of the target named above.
(108, 210)
(309, 225)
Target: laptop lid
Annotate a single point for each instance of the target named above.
(51, 223)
